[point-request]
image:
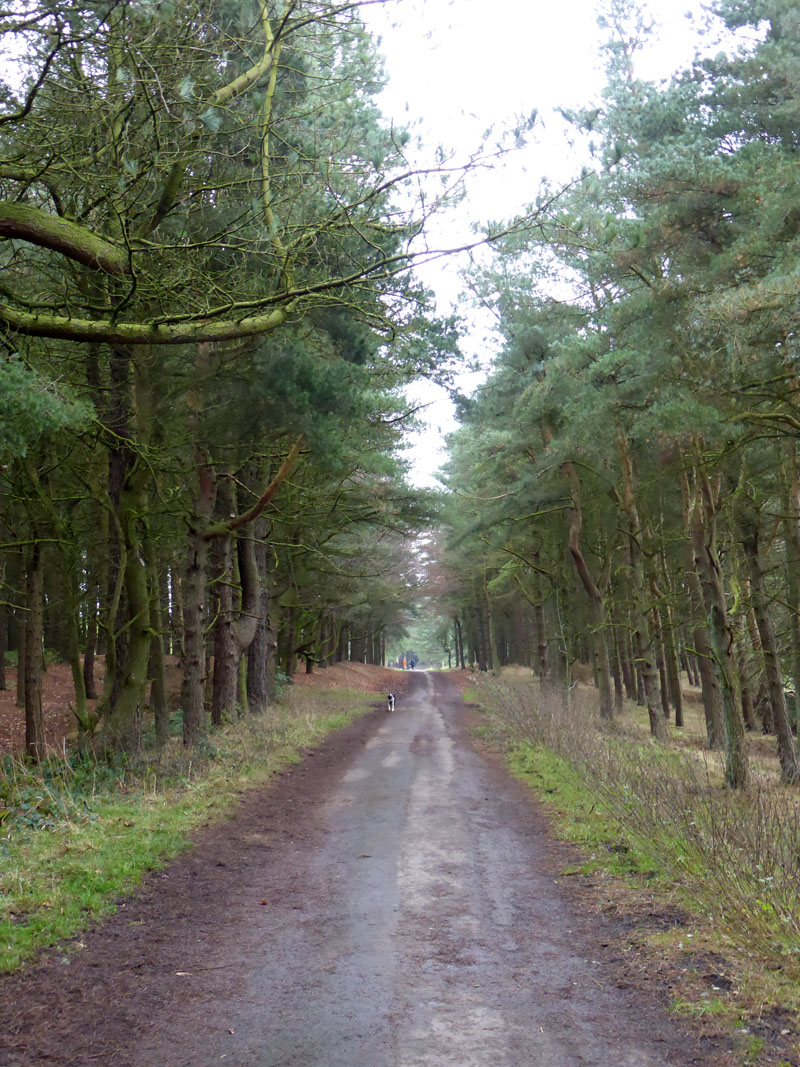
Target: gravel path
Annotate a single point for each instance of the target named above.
(393, 901)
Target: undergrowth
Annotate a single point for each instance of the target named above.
(662, 813)
(77, 833)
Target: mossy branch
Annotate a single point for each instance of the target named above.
(24, 222)
(133, 333)
(223, 528)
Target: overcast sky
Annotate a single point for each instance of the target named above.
(457, 67)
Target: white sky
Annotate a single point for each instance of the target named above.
(457, 67)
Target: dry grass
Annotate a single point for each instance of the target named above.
(361, 677)
(735, 856)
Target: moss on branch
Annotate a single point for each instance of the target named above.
(24, 222)
(134, 333)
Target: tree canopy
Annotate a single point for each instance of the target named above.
(637, 433)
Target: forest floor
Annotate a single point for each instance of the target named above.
(58, 696)
(396, 899)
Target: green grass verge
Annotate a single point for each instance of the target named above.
(76, 838)
(646, 866)
(575, 814)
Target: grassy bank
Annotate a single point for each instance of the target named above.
(661, 835)
(77, 834)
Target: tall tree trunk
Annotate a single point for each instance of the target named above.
(493, 657)
(703, 513)
(671, 655)
(601, 663)
(748, 712)
(124, 717)
(688, 664)
(706, 667)
(622, 637)
(226, 665)
(70, 608)
(291, 642)
(790, 769)
(482, 637)
(661, 665)
(56, 637)
(342, 646)
(616, 672)
(89, 683)
(3, 623)
(34, 634)
(176, 626)
(194, 603)
(762, 704)
(791, 527)
(261, 653)
(459, 641)
(194, 616)
(642, 633)
(158, 666)
(540, 629)
(22, 632)
(236, 624)
(15, 573)
(121, 460)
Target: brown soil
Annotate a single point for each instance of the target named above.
(58, 696)
(359, 676)
(59, 720)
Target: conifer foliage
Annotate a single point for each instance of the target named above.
(206, 322)
(626, 481)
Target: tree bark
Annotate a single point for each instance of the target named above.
(616, 671)
(642, 633)
(748, 712)
(601, 664)
(235, 626)
(709, 677)
(540, 627)
(459, 637)
(70, 607)
(158, 667)
(761, 704)
(194, 614)
(124, 717)
(3, 625)
(703, 512)
(491, 634)
(261, 653)
(790, 769)
(226, 666)
(291, 643)
(34, 632)
(22, 632)
(661, 665)
(622, 637)
(194, 604)
(482, 637)
(791, 527)
(672, 662)
(89, 683)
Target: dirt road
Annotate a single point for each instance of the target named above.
(393, 901)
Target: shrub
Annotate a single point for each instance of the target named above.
(736, 855)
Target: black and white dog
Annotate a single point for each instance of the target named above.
(390, 702)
